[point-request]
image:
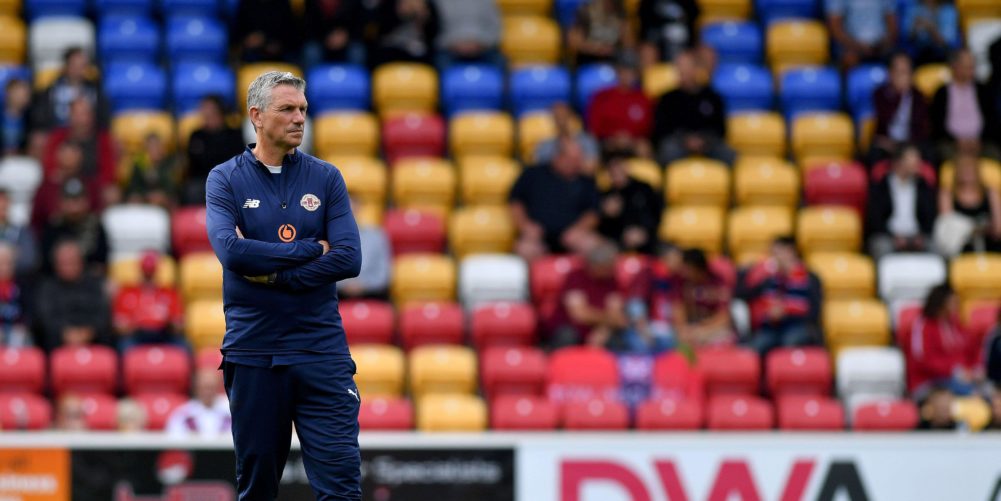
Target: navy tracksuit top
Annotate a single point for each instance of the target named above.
(282, 216)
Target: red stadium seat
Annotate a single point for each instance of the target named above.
(413, 135)
(810, 413)
(882, 168)
(674, 378)
(100, 412)
(546, 278)
(431, 323)
(188, 231)
(582, 373)
(159, 407)
(513, 370)
(729, 412)
(386, 414)
(730, 370)
(22, 370)
(24, 411)
(798, 371)
(901, 415)
(503, 324)
(414, 231)
(84, 369)
(595, 414)
(368, 321)
(156, 369)
(628, 268)
(523, 413)
(211, 358)
(670, 414)
(837, 183)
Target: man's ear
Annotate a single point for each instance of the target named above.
(255, 117)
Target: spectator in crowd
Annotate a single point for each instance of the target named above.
(939, 352)
(148, 312)
(70, 305)
(666, 28)
(13, 308)
(619, 116)
(931, 29)
(863, 30)
(70, 414)
(373, 280)
(266, 30)
(690, 120)
(900, 215)
(963, 112)
(98, 164)
(901, 111)
(992, 356)
(153, 179)
(995, 402)
(568, 127)
(630, 210)
(649, 304)
(591, 309)
(69, 165)
(74, 219)
(599, 31)
(19, 237)
(18, 124)
(207, 414)
(936, 410)
(131, 416)
(994, 81)
(210, 145)
(407, 31)
(784, 297)
(701, 309)
(73, 83)
(554, 206)
(470, 33)
(335, 31)
(970, 197)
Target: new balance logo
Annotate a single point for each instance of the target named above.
(251, 203)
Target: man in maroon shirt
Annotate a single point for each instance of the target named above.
(591, 308)
(620, 116)
(701, 306)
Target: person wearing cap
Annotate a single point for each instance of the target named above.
(75, 220)
(148, 312)
(620, 116)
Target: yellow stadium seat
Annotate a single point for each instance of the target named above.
(481, 133)
(866, 132)
(187, 125)
(424, 183)
(698, 181)
(525, 7)
(248, 72)
(205, 323)
(700, 227)
(822, 136)
(487, 180)
(380, 370)
(12, 40)
(530, 40)
(369, 214)
(125, 271)
(481, 229)
(10, 7)
(757, 134)
(929, 77)
(975, 10)
(752, 229)
(800, 42)
(658, 79)
(855, 322)
(844, 275)
(132, 127)
(346, 133)
(404, 87)
(765, 181)
(647, 171)
(451, 413)
(717, 10)
(201, 276)
(990, 173)
(976, 276)
(423, 277)
(442, 369)
(534, 128)
(828, 228)
(365, 177)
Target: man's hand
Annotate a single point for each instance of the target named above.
(263, 279)
(325, 244)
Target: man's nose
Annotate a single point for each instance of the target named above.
(300, 117)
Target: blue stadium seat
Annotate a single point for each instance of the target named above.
(810, 89)
(338, 87)
(472, 87)
(193, 81)
(566, 11)
(591, 79)
(123, 7)
(773, 10)
(40, 8)
(744, 87)
(209, 8)
(128, 39)
(735, 42)
(862, 82)
(196, 39)
(537, 88)
(10, 72)
(135, 86)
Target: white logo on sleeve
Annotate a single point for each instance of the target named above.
(251, 203)
(310, 202)
(354, 393)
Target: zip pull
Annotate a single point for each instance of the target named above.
(284, 205)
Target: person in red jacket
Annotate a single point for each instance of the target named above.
(940, 354)
(147, 312)
(621, 115)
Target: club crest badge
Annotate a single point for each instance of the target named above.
(310, 202)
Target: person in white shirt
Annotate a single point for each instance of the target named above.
(207, 414)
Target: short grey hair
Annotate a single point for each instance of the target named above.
(259, 92)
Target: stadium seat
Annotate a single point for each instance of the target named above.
(976, 276)
(856, 322)
(658, 79)
(828, 228)
(423, 277)
(990, 173)
(191, 7)
(909, 276)
(24, 411)
(100, 412)
(503, 323)
(431, 323)
(128, 39)
(414, 231)
(980, 34)
(752, 229)
(12, 46)
(481, 230)
(757, 134)
(698, 182)
(248, 72)
(547, 275)
(871, 373)
(590, 80)
(798, 371)
(188, 232)
(487, 180)
(205, 323)
(810, 413)
(134, 228)
(386, 414)
(22, 370)
(534, 128)
(83, 369)
(50, 8)
(368, 321)
(135, 86)
(744, 87)
(770, 11)
(860, 84)
(486, 278)
(810, 89)
(836, 183)
(471, 87)
(734, 41)
(714, 11)
(796, 42)
(581, 373)
(700, 227)
(629, 268)
(529, 40)
(159, 407)
(338, 87)
(194, 81)
(844, 275)
(537, 88)
(208, 358)
(424, 183)
(974, 10)
(765, 181)
(123, 7)
(380, 370)
(669, 415)
(676, 378)
(929, 77)
(48, 39)
(729, 371)
(981, 318)
(525, 7)
(523, 413)
(156, 369)
(442, 369)
(647, 171)
(594, 414)
(364, 176)
(408, 135)
(404, 87)
(511, 370)
(740, 413)
(481, 133)
(565, 11)
(890, 415)
(132, 128)
(201, 276)
(452, 413)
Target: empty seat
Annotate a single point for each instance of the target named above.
(669, 414)
(582, 373)
(194, 81)
(205, 323)
(338, 87)
(455, 413)
(796, 42)
(823, 136)
(248, 72)
(547, 275)
(347, 133)
(208, 358)
(591, 79)
(730, 371)
(744, 413)
(770, 11)
(188, 230)
(929, 77)
(695, 182)
(837, 183)
(980, 34)
(365, 178)
(487, 180)
(156, 369)
(22, 370)
(391, 414)
(404, 87)
(48, 8)
(976, 276)
(471, 87)
(844, 275)
(765, 181)
(752, 229)
(133, 127)
(810, 89)
(413, 135)
(676, 378)
(534, 128)
(128, 38)
(481, 230)
(414, 231)
(201, 276)
(828, 228)
(700, 227)
(380, 370)
(503, 323)
(192, 7)
(368, 321)
(196, 39)
(658, 79)
(909, 275)
(24, 411)
(442, 369)
(481, 133)
(757, 134)
(431, 323)
(872, 371)
(423, 277)
(424, 183)
(133, 229)
(159, 407)
(798, 371)
(510, 370)
(123, 7)
(12, 45)
(595, 414)
(813, 413)
(889, 415)
(861, 82)
(49, 38)
(537, 87)
(135, 86)
(734, 41)
(485, 278)
(530, 40)
(855, 322)
(84, 369)
(744, 87)
(523, 413)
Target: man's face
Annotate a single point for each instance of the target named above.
(69, 262)
(570, 159)
(963, 68)
(283, 121)
(688, 75)
(909, 165)
(900, 73)
(626, 76)
(76, 65)
(81, 115)
(6, 263)
(211, 116)
(207, 386)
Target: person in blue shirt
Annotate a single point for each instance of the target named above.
(280, 222)
(863, 30)
(931, 28)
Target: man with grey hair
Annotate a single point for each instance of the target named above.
(280, 222)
